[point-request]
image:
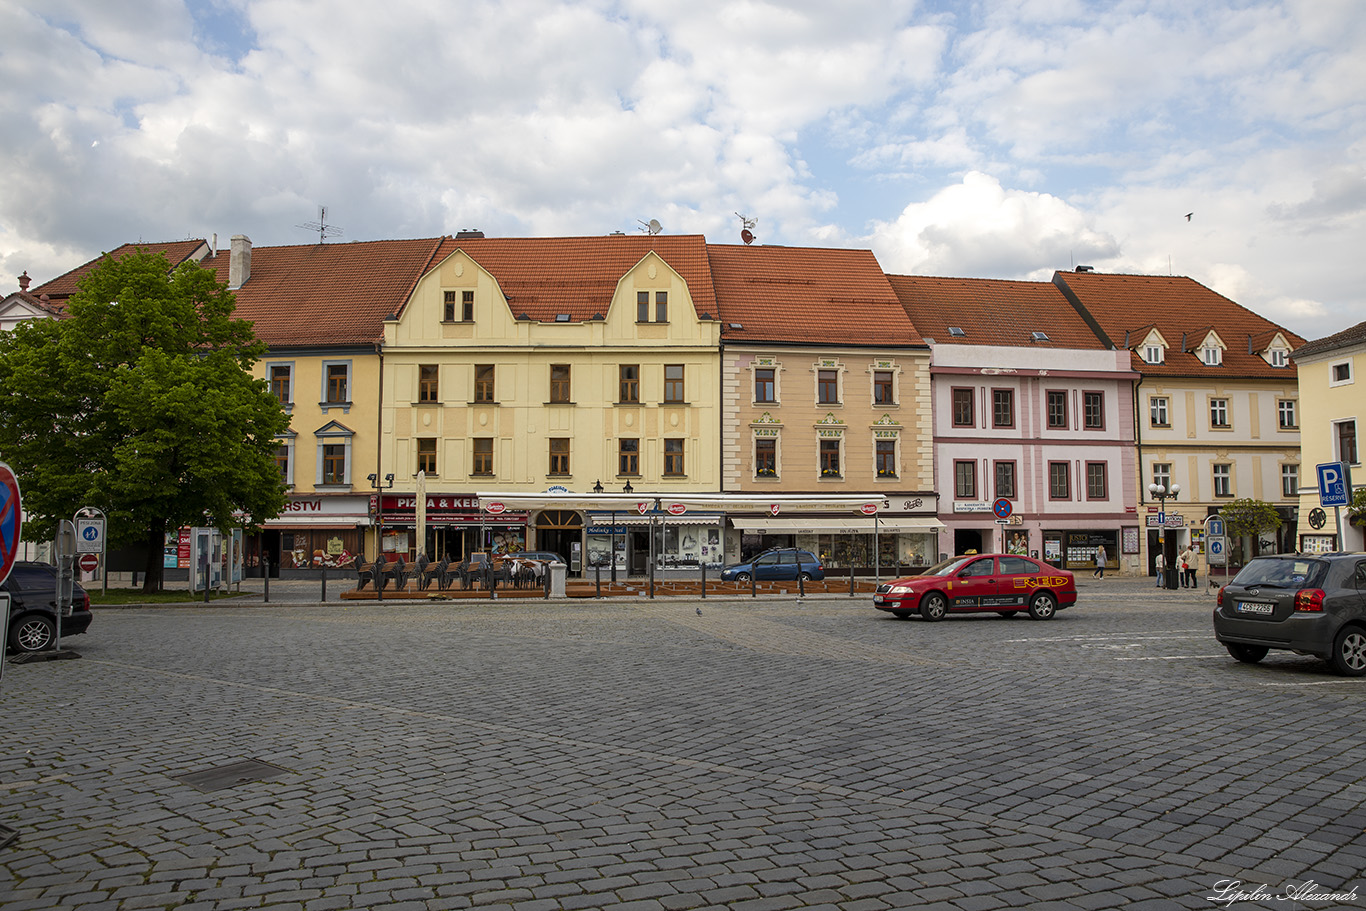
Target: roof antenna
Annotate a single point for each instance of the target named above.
(653, 227)
(747, 228)
(321, 226)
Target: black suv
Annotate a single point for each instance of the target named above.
(32, 589)
(1313, 604)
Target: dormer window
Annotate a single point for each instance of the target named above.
(1152, 354)
(1212, 357)
(1278, 357)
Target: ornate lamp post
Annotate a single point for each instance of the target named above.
(1168, 544)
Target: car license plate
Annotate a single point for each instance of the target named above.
(1255, 607)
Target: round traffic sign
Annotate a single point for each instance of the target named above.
(1317, 518)
(11, 519)
(1002, 508)
(88, 562)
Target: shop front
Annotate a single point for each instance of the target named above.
(686, 541)
(311, 532)
(881, 544)
(452, 528)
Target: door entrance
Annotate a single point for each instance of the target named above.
(968, 540)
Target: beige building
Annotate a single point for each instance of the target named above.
(1332, 410)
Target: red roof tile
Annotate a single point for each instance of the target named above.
(1347, 338)
(1181, 308)
(993, 312)
(327, 294)
(805, 295)
(65, 285)
(546, 276)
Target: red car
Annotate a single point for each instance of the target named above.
(987, 582)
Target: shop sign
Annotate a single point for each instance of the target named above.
(773, 510)
(494, 508)
(1173, 520)
(972, 506)
(677, 509)
(322, 506)
(868, 509)
(642, 508)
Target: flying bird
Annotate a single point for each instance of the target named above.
(1188, 215)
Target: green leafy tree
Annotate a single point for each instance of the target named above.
(1356, 510)
(141, 403)
(1249, 518)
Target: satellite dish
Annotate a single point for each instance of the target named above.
(747, 236)
(747, 227)
(653, 226)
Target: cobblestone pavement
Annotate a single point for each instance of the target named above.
(641, 756)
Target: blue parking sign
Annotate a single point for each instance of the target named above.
(1335, 484)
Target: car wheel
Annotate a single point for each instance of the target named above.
(934, 606)
(901, 614)
(742, 578)
(1248, 654)
(1042, 606)
(1349, 652)
(805, 577)
(32, 634)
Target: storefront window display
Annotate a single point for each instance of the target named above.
(310, 549)
(1081, 547)
(894, 549)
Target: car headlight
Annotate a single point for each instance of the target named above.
(900, 590)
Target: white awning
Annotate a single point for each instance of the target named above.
(323, 521)
(812, 524)
(634, 518)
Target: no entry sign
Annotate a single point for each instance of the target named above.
(11, 519)
(88, 562)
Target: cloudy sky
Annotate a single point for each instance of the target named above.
(993, 139)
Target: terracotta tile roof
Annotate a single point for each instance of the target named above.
(56, 309)
(1179, 307)
(63, 286)
(993, 312)
(327, 294)
(805, 295)
(546, 276)
(1347, 338)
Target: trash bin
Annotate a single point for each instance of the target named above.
(557, 574)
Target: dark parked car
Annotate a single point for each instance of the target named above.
(981, 582)
(782, 564)
(1311, 604)
(32, 588)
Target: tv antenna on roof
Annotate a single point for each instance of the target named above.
(747, 228)
(652, 227)
(321, 226)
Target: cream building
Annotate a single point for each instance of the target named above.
(1332, 411)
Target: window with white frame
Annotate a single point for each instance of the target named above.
(1212, 356)
(1152, 354)
(1290, 480)
(1218, 413)
(1340, 374)
(336, 391)
(282, 383)
(334, 455)
(1345, 433)
(1279, 357)
(885, 458)
(830, 458)
(284, 457)
(1222, 474)
(765, 457)
(1285, 414)
(1162, 475)
(1157, 411)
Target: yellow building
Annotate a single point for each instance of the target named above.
(1332, 409)
(528, 365)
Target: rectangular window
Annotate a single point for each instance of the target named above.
(1153, 354)
(1290, 480)
(338, 389)
(1057, 409)
(628, 457)
(963, 408)
(1285, 414)
(1059, 480)
(448, 307)
(334, 463)
(559, 383)
(483, 383)
(830, 458)
(1157, 411)
(1223, 480)
(282, 461)
(1005, 480)
(1096, 486)
(1340, 373)
(673, 458)
(882, 387)
(765, 387)
(1213, 357)
(965, 480)
(1278, 358)
(426, 455)
(482, 463)
(1218, 413)
(827, 387)
(642, 306)
(629, 383)
(427, 382)
(765, 458)
(279, 383)
(467, 306)
(662, 308)
(886, 458)
(673, 384)
(1003, 408)
(1162, 474)
(559, 455)
(1347, 441)
(1093, 410)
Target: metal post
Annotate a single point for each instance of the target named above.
(652, 556)
(801, 583)
(597, 580)
(851, 578)
(877, 552)
(703, 561)
(545, 579)
(324, 597)
(265, 572)
(613, 545)
(753, 579)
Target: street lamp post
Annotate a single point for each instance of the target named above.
(1169, 567)
(379, 529)
(627, 489)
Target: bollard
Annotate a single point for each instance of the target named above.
(801, 584)
(851, 580)
(206, 588)
(265, 573)
(704, 578)
(753, 583)
(597, 581)
(324, 597)
(546, 578)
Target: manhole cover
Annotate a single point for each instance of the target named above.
(227, 776)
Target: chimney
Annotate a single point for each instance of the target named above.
(24, 282)
(239, 262)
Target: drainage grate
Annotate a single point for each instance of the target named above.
(7, 835)
(227, 776)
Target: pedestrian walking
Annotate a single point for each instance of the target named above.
(1099, 572)
(1158, 564)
